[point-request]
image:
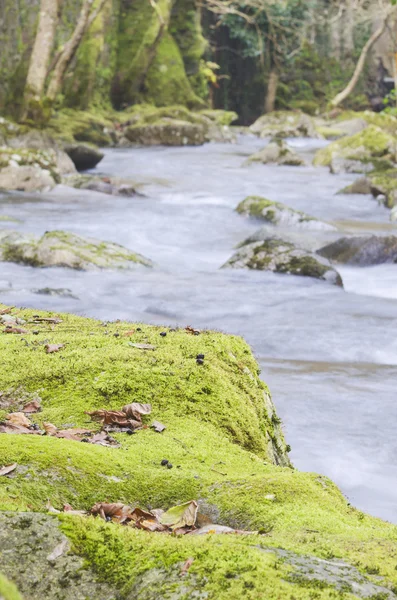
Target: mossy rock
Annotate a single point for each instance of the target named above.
(278, 152)
(365, 147)
(224, 439)
(8, 591)
(62, 249)
(28, 170)
(284, 124)
(280, 214)
(362, 185)
(221, 117)
(384, 183)
(282, 256)
(95, 128)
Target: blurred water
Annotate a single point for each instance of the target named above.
(328, 355)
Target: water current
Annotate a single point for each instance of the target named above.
(328, 355)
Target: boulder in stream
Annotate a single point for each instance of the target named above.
(28, 170)
(276, 213)
(62, 249)
(369, 150)
(362, 251)
(283, 256)
(284, 124)
(277, 151)
(83, 156)
(113, 186)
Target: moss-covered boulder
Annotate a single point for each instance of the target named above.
(282, 256)
(276, 213)
(224, 440)
(384, 183)
(8, 590)
(278, 152)
(362, 185)
(28, 170)
(370, 149)
(61, 249)
(284, 124)
(362, 251)
(174, 126)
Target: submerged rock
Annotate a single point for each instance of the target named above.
(281, 256)
(280, 214)
(277, 151)
(83, 156)
(362, 251)
(61, 249)
(285, 124)
(114, 186)
(370, 149)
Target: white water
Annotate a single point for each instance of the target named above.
(329, 356)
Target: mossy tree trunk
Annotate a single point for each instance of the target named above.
(44, 41)
(87, 16)
(270, 100)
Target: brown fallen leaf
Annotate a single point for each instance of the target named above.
(50, 429)
(8, 469)
(114, 417)
(6, 311)
(188, 563)
(72, 434)
(18, 330)
(135, 410)
(129, 333)
(142, 346)
(191, 330)
(157, 426)
(103, 439)
(51, 348)
(117, 511)
(32, 407)
(17, 429)
(18, 418)
(180, 516)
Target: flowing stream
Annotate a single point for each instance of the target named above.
(328, 355)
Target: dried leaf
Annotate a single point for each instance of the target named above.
(51, 348)
(6, 311)
(72, 434)
(128, 333)
(157, 426)
(50, 429)
(186, 566)
(180, 516)
(135, 410)
(32, 407)
(114, 417)
(18, 418)
(103, 439)
(8, 469)
(10, 428)
(18, 330)
(191, 330)
(116, 512)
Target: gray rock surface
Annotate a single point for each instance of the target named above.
(277, 151)
(61, 249)
(26, 179)
(362, 251)
(285, 124)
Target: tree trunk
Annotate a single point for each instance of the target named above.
(43, 44)
(271, 93)
(361, 62)
(85, 20)
(348, 32)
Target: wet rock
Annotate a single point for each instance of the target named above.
(28, 170)
(113, 186)
(285, 124)
(37, 557)
(83, 156)
(61, 249)
(276, 213)
(370, 149)
(167, 132)
(362, 185)
(59, 292)
(277, 151)
(282, 256)
(39, 140)
(362, 251)
(343, 128)
(384, 183)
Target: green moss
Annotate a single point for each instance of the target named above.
(221, 117)
(385, 183)
(8, 590)
(370, 143)
(84, 126)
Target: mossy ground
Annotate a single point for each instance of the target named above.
(219, 427)
(8, 590)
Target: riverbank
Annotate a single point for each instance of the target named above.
(223, 439)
